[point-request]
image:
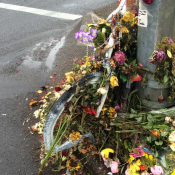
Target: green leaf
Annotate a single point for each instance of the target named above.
(165, 132)
(133, 111)
(159, 143)
(139, 119)
(126, 144)
(165, 79)
(150, 118)
(169, 54)
(124, 77)
(156, 154)
(149, 139)
(130, 81)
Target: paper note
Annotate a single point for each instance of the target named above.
(143, 18)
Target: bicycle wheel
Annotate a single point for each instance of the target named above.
(57, 110)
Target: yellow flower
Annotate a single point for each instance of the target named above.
(112, 111)
(173, 172)
(73, 165)
(105, 152)
(114, 81)
(146, 155)
(99, 63)
(69, 73)
(128, 16)
(87, 63)
(69, 79)
(75, 136)
(69, 76)
(134, 168)
(130, 159)
(138, 162)
(150, 156)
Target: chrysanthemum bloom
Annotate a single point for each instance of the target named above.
(157, 170)
(128, 16)
(119, 57)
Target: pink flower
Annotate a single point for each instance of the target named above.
(127, 172)
(117, 107)
(173, 123)
(157, 170)
(75, 59)
(119, 57)
(137, 152)
(114, 166)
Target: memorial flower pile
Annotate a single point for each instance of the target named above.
(164, 59)
(128, 140)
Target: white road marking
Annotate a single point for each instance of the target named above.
(40, 11)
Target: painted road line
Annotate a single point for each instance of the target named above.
(54, 14)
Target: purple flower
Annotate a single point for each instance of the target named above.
(94, 33)
(169, 40)
(85, 39)
(119, 57)
(85, 33)
(79, 34)
(161, 56)
(90, 38)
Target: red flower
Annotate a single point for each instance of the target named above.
(138, 78)
(142, 168)
(93, 111)
(57, 89)
(88, 110)
(160, 99)
(148, 1)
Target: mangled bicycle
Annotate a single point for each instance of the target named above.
(99, 112)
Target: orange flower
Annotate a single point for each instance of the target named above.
(156, 133)
(75, 136)
(33, 103)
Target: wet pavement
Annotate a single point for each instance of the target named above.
(20, 78)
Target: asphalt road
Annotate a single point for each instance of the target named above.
(32, 47)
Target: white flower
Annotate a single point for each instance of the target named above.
(37, 113)
(168, 119)
(172, 136)
(84, 72)
(102, 91)
(172, 146)
(67, 87)
(57, 95)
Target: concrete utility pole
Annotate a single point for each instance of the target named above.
(161, 23)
